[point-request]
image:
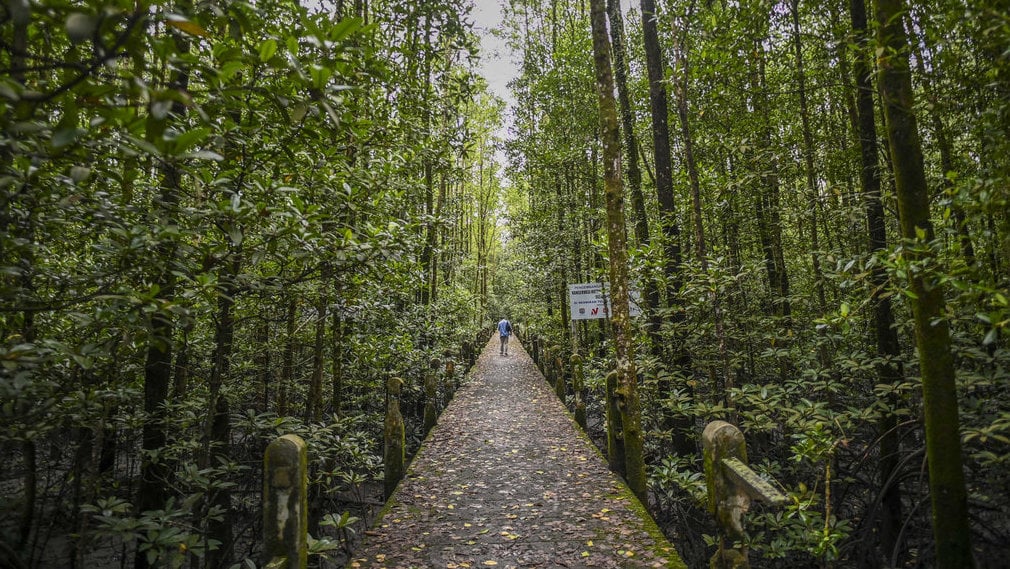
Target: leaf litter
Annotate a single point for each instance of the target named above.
(505, 480)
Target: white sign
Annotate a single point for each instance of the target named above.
(588, 301)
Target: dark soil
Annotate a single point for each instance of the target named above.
(506, 479)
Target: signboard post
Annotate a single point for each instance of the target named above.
(590, 301)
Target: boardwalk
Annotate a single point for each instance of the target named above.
(508, 480)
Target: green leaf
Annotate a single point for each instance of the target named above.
(66, 136)
(204, 155)
(187, 139)
(228, 70)
(267, 50)
(184, 25)
(990, 337)
(344, 28)
(7, 91)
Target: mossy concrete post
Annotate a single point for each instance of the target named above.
(285, 503)
(578, 385)
(548, 366)
(431, 395)
(731, 487)
(451, 384)
(394, 447)
(559, 378)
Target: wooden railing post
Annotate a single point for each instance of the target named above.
(285, 504)
(732, 485)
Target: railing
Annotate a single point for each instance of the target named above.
(731, 484)
(285, 463)
(285, 504)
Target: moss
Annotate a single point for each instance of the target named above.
(660, 544)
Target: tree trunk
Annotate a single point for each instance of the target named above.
(288, 362)
(631, 417)
(661, 151)
(337, 331)
(944, 146)
(427, 252)
(642, 237)
(314, 405)
(153, 490)
(890, 517)
(767, 198)
(808, 161)
(263, 370)
(220, 528)
(951, 532)
(217, 435)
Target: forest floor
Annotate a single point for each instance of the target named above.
(507, 479)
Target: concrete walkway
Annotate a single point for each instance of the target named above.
(506, 479)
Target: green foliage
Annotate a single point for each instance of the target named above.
(270, 160)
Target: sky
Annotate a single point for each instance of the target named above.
(497, 64)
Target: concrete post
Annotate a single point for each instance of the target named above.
(560, 389)
(431, 395)
(732, 485)
(394, 448)
(451, 383)
(578, 385)
(285, 503)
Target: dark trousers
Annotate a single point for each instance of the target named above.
(504, 349)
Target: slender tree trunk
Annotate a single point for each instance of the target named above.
(427, 252)
(337, 334)
(24, 228)
(890, 517)
(661, 150)
(217, 435)
(220, 528)
(681, 83)
(153, 490)
(943, 144)
(642, 237)
(264, 372)
(155, 473)
(288, 362)
(951, 531)
(180, 375)
(436, 233)
(617, 246)
(767, 200)
(808, 159)
(314, 406)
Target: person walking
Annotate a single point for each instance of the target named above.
(504, 331)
